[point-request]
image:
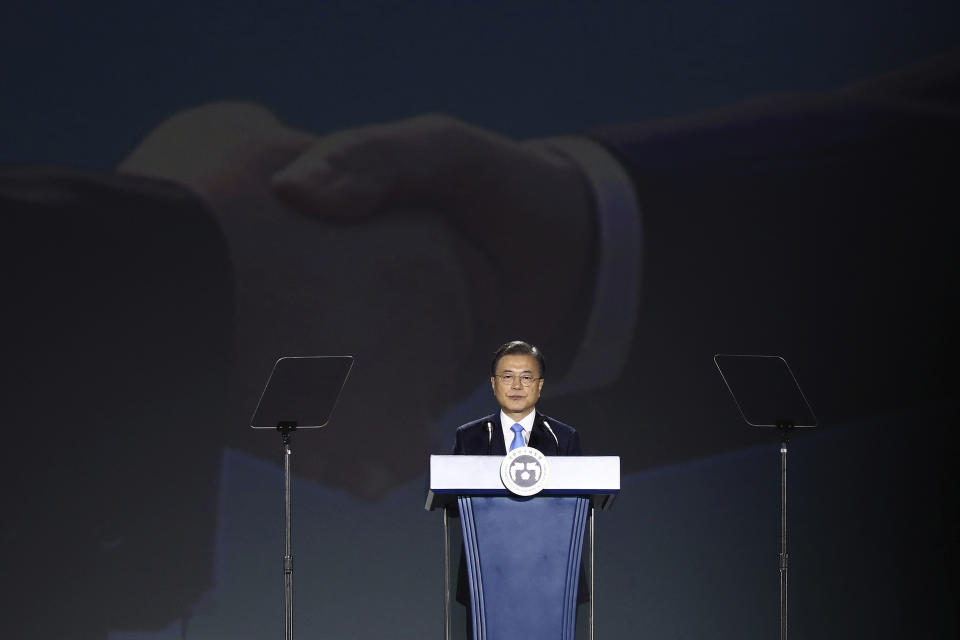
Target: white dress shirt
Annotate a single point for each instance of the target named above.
(526, 422)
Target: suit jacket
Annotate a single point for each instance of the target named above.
(485, 437)
(118, 341)
(812, 226)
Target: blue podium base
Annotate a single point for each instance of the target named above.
(523, 564)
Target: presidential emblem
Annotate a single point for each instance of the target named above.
(524, 471)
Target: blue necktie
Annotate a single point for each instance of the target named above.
(518, 436)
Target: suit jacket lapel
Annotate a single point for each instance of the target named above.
(539, 438)
(497, 447)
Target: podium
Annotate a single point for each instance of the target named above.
(523, 554)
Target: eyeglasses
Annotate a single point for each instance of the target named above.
(509, 379)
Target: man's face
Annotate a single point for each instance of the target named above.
(515, 399)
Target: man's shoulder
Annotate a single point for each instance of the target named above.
(556, 425)
(479, 423)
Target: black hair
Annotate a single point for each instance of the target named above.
(518, 348)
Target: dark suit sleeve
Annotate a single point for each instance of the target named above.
(117, 335)
(811, 226)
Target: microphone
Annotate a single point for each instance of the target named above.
(547, 425)
(489, 436)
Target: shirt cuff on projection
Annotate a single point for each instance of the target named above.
(601, 355)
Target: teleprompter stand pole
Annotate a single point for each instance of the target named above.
(286, 430)
(300, 393)
(768, 395)
(784, 428)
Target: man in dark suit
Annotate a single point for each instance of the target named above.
(516, 377)
(517, 374)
